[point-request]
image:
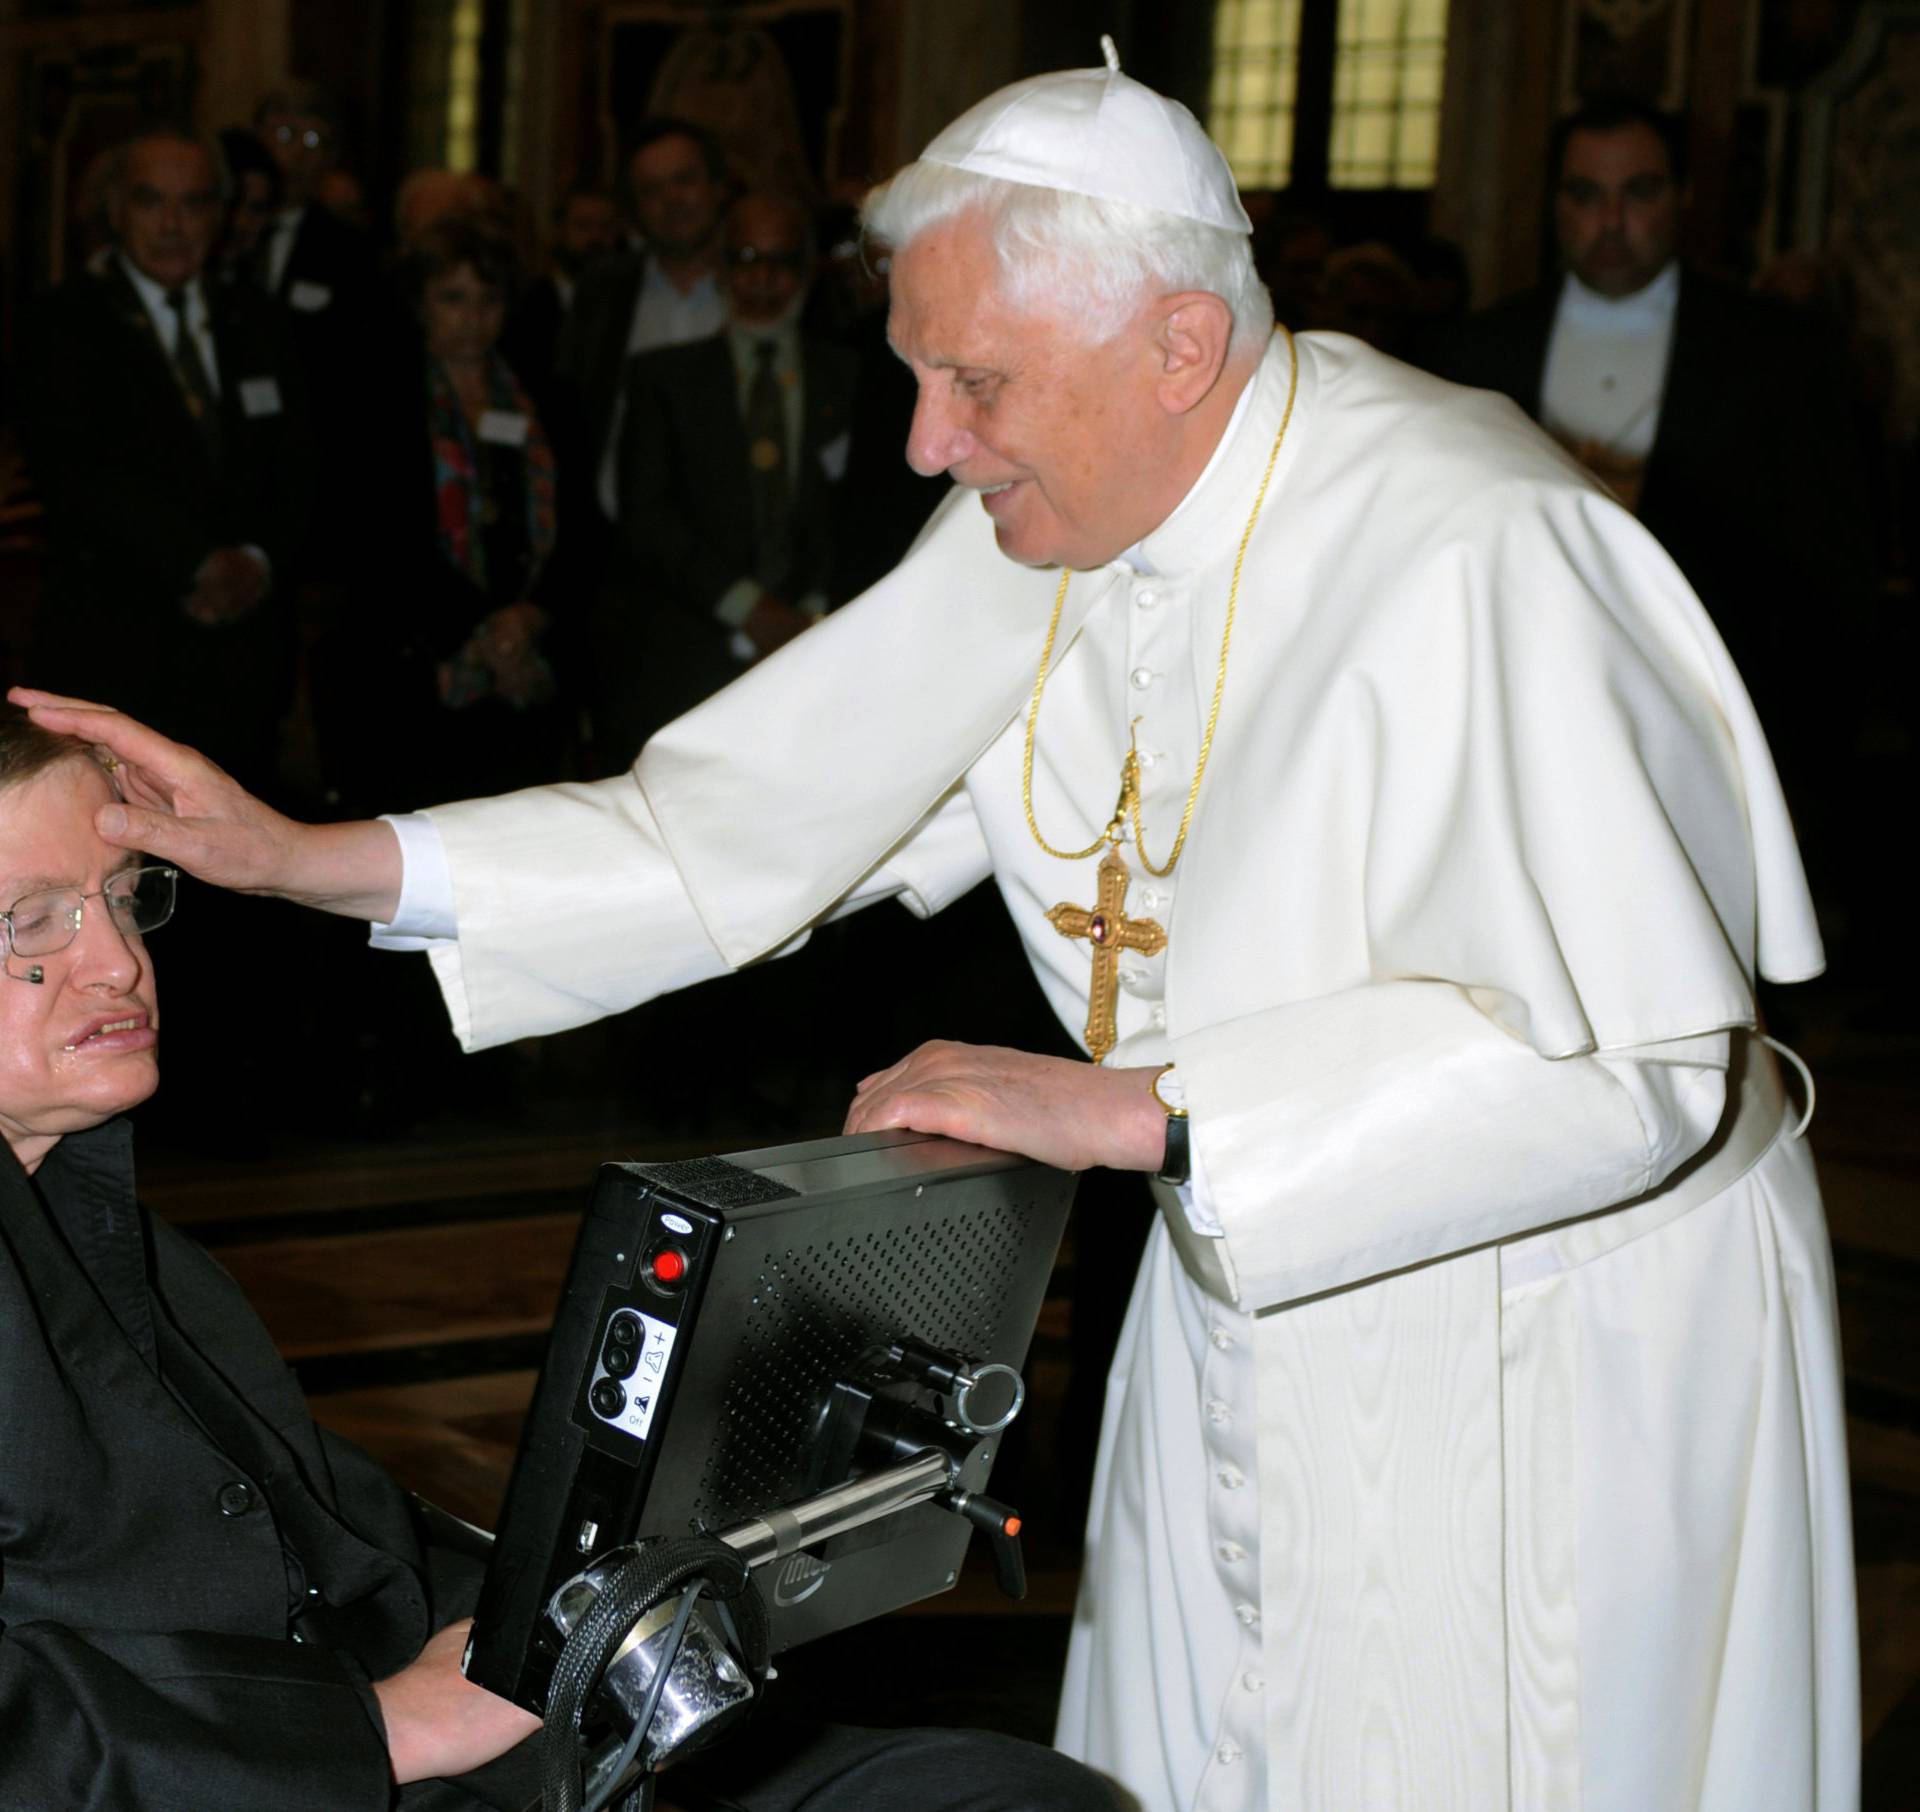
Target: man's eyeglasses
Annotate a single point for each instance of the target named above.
(312, 138)
(138, 900)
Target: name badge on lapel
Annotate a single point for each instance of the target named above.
(833, 458)
(309, 298)
(260, 396)
(504, 428)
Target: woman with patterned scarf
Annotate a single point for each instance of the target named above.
(446, 663)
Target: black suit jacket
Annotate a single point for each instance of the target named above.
(196, 1582)
(136, 500)
(592, 355)
(348, 333)
(530, 341)
(686, 510)
(1753, 483)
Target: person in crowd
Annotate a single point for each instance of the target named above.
(731, 455)
(427, 197)
(340, 314)
(312, 260)
(1381, 812)
(586, 231)
(206, 1599)
(1719, 418)
(1367, 291)
(162, 417)
(340, 192)
(448, 647)
(665, 294)
(254, 204)
(1291, 251)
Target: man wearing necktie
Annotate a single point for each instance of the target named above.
(163, 429)
(732, 451)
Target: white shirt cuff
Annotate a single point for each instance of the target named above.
(424, 915)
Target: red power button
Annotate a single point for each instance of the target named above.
(669, 1265)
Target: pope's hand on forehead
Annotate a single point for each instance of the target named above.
(174, 803)
(178, 806)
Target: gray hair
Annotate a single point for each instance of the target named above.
(1061, 251)
(171, 135)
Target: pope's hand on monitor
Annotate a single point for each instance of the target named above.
(439, 1724)
(1069, 1114)
(179, 807)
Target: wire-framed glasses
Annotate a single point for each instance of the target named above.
(138, 900)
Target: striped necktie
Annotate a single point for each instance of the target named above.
(202, 404)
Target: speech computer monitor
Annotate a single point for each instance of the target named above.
(719, 1316)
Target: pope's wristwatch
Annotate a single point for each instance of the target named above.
(1176, 1163)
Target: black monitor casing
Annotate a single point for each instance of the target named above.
(799, 1261)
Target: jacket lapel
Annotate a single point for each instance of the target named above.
(80, 1325)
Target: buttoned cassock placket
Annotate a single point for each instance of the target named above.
(1172, 649)
(1147, 665)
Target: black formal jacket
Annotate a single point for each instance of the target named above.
(136, 500)
(348, 332)
(1753, 483)
(530, 341)
(686, 507)
(592, 354)
(196, 1582)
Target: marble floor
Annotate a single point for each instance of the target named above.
(409, 1280)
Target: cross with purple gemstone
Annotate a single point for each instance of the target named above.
(1109, 931)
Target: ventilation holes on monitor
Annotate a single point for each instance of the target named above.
(816, 1309)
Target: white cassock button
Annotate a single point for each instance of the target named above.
(1221, 1339)
(1218, 1412)
(1146, 599)
(1229, 1753)
(1148, 899)
(1249, 1615)
(1141, 678)
(1252, 1683)
(1157, 1015)
(1231, 1478)
(1231, 1551)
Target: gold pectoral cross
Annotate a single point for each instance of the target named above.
(1108, 929)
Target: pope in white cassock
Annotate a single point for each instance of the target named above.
(1475, 1438)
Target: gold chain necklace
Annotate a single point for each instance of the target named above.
(1105, 925)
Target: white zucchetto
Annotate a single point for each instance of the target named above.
(1096, 132)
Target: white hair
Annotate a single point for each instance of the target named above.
(1080, 255)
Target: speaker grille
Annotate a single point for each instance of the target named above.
(816, 1309)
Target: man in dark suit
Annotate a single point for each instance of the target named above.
(665, 295)
(731, 458)
(586, 232)
(343, 324)
(163, 422)
(1719, 417)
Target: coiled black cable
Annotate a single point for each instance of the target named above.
(658, 1569)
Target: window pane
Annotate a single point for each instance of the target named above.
(1250, 111)
(1386, 92)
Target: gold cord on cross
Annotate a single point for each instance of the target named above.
(1107, 928)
